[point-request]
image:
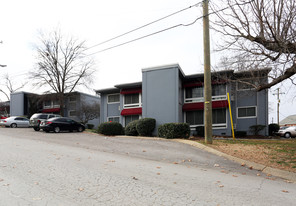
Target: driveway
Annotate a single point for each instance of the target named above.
(39, 168)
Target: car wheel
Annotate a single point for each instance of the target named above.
(13, 125)
(80, 129)
(36, 128)
(287, 135)
(57, 129)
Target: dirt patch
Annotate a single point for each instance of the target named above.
(273, 153)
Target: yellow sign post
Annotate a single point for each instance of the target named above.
(233, 136)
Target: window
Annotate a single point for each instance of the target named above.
(72, 98)
(219, 90)
(131, 118)
(219, 116)
(113, 119)
(47, 104)
(194, 94)
(246, 112)
(72, 113)
(195, 117)
(132, 100)
(113, 98)
(56, 103)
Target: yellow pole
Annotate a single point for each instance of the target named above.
(233, 136)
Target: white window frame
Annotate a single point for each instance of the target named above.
(133, 105)
(214, 126)
(201, 99)
(113, 102)
(108, 118)
(70, 113)
(247, 116)
(72, 97)
(140, 117)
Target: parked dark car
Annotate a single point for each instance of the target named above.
(58, 124)
(37, 118)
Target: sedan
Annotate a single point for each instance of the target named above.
(58, 124)
(14, 122)
(287, 132)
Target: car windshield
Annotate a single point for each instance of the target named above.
(282, 128)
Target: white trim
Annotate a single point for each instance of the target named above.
(140, 117)
(214, 126)
(201, 99)
(134, 105)
(72, 115)
(247, 117)
(113, 102)
(113, 117)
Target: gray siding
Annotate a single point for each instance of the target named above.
(17, 104)
(161, 95)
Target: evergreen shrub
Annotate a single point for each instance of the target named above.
(110, 128)
(145, 126)
(174, 130)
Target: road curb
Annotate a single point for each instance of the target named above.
(291, 176)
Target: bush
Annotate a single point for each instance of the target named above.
(240, 133)
(90, 126)
(255, 129)
(273, 128)
(174, 130)
(145, 126)
(131, 128)
(110, 128)
(200, 131)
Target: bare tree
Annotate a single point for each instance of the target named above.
(62, 65)
(262, 32)
(10, 86)
(88, 111)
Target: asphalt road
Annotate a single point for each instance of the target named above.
(39, 168)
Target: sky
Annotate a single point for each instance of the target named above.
(96, 21)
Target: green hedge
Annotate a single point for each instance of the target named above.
(131, 128)
(110, 128)
(240, 133)
(273, 128)
(145, 126)
(174, 130)
(255, 129)
(90, 126)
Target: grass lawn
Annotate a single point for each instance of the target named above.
(278, 153)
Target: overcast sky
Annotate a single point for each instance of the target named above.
(96, 21)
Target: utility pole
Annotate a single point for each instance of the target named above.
(207, 75)
(278, 104)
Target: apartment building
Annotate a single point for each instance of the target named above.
(168, 95)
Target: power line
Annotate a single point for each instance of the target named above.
(157, 32)
(145, 36)
(148, 24)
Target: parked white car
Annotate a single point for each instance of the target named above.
(14, 122)
(287, 132)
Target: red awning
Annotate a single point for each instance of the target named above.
(200, 105)
(131, 91)
(51, 110)
(131, 111)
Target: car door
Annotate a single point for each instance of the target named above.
(18, 121)
(63, 124)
